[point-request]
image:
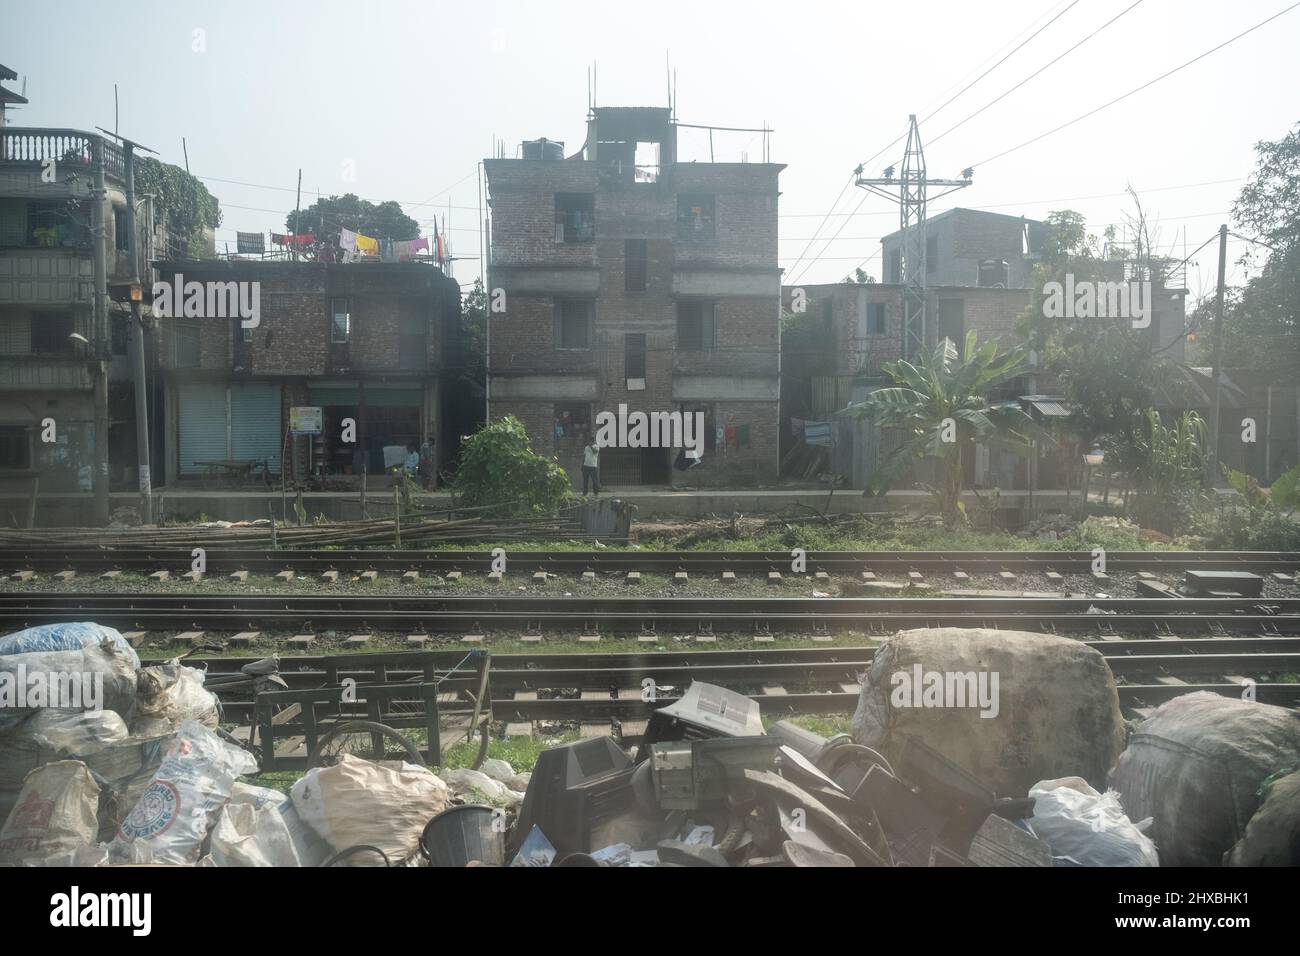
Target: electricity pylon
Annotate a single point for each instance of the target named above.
(910, 191)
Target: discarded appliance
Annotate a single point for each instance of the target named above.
(704, 711)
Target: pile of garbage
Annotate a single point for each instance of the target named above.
(970, 747)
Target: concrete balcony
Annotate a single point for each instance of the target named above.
(33, 146)
(46, 277)
(43, 372)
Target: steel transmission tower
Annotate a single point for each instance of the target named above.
(910, 190)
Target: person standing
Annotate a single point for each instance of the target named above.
(591, 466)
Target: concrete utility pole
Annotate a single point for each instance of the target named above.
(137, 340)
(98, 337)
(909, 190)
(1217, 402)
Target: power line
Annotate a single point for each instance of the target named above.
(812, 262)
(1137, 89)
(1054, 60)
(1019, 46)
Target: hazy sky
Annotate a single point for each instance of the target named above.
(413, 95)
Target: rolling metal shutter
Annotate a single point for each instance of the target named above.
(255, 423)
(202, 426)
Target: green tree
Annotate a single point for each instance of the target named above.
(860, 277)
(325, 217)
(1261, 321)
(943, 406)
(500, 471)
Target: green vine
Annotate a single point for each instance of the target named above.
(184, 202)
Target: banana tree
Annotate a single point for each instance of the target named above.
(942, 404)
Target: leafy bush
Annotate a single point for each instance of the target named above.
(1266, 521)
(500, 471)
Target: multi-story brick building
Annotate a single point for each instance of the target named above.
(361, 341)
(631, 278)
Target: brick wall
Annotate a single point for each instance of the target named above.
(523, 338)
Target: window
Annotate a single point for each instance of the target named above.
(15, 335)
(50, 331)
(634, 265)
(48, 225)
(572, 419)
(695, 325)
(931, 253)
(575, 217)
(634, 355)
(876, 318)
(121, 334)
(341, 325)
(896, 266)
(695, 217)
(187, 343)
(413, 344)
(951, 322)
(120, 237)
(573, 324)
(15, 447)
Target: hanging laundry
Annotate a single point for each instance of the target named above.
(742, 436)
(289, 239)
(347, 241)
(796, 428)
(720, 438)
(731, 436)
(249, 242)
(367, 246)
(419, 245)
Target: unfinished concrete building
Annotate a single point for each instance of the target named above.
(628, 277)
(980, 274)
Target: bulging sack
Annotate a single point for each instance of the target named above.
(361, 802)
(1273, 834)
(181, 801)
(1010, 707)
(55, 818)
(1090, 828)
(1196, 766)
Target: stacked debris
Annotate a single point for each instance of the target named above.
(945, 768)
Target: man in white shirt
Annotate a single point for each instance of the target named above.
(591, 466)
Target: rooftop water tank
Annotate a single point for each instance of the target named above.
(543, 149)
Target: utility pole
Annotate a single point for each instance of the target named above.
(910, 190)
(98, 336)
(137, 339)
(1217, 402)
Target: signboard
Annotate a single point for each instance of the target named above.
(305, 419)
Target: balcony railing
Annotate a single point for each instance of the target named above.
(35, 145)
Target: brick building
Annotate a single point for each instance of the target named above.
(631, 278)
(361, 341)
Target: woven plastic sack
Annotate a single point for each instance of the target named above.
(176, 693)
(55, 817)
(1197, 764)
(181, 802)
(1273, 834)
(66, 637)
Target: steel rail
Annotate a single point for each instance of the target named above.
(224, 560)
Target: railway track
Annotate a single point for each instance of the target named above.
(49, 559)
(475, 614)
(603, 687)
